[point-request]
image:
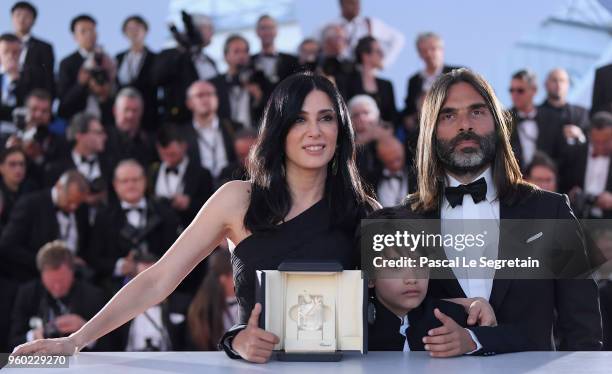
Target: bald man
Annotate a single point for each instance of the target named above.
(573, 119)
(210, 138)
(395, 180)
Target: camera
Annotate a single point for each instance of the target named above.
(191, 39)
(583, 203)
(21, 116)
(95, 66)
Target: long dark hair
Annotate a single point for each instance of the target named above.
(270, 198)
(506, 172)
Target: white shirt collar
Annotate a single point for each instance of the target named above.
(435, 74)
(213, 126)
(142, 203)
(488, 177)
(85, 54)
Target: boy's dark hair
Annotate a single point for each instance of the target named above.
(81, 18)
(169, 133)
(25, 5)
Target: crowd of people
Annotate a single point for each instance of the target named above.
(106, 161)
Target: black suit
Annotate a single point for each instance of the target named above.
(174, 72)
(223, 84)
(197, 184)
(602, 93)
(566, 114)
(351, 85)
(286, 65)
(30, 77)
(228, 131)
(55, 169)
(525, 308)
(384, 335)
(113, 237)
(145, 85)
(33, 300)
(33, 223)
(72, 95)
(40, 56)
(573, 171)
(121, 146)
(550, 137)
(415, 89)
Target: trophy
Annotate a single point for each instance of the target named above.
(315, 308)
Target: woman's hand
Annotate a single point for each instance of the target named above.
(59, 346)
(253, 343)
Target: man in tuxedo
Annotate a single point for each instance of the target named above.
(209, 136)
(308, 54)
(602, 90)
(57, 304)
(243, 89)
(275, 65)
(127, 139)
(15, 82)
(573, 119)
(466, 170)
(88, 155)
(175, 69)
(179, 181)
(44, 216)
(335, 61)
(129, 225)
(531, 131)
(587, 170)
(396, 180)
(85, 76)
(135, 67)
(35, 53)
(365, 117)
(430, 47)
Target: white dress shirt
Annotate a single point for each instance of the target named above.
(390, 39)
(8, 99)
(473, 218)
(212, 147)
(67, 226)
(130, 67)
(92, 105)
(24, 49)
(148, 326)
(391, 191)
(169, 185)
(134, 217)
(429, 79)
(89, 171)
(596, 177)
(204, 66)
(528, 135)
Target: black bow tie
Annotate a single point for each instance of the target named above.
(477, 189)
(133, 209)
(526, 117)
(393, 176)
(172, 170)
(90, 161)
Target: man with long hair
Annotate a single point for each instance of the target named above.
(466, 170)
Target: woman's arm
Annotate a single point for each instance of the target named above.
(478, 309)
(149, 288)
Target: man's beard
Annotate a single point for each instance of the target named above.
(469, 159)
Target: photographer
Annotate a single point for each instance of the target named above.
(13, 183)
(586, 173)
(40, 145)
(57, 304)
(129, 225)
(86, 76)
(175, 69)
(88, 156)
(242, 90)
(15, 83)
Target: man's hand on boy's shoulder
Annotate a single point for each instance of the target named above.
(448, 340)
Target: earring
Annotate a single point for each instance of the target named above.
(371, 311)
(335, 164)
(283, 173)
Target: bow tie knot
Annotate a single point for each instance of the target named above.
(477, 189)
(172, 170)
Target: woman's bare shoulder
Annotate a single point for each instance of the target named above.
(233, 194)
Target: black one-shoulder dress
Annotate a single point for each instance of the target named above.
(309, 236)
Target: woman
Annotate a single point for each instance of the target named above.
(369, 56)
(306, 184)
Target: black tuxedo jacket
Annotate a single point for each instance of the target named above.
(33, 300)
(40, 56)
(384, 335)
(32, 224)
(602, 94)
(55, 169)
(72, 95)
(286, 65)
(145, 85)
(174, 72)
(111, 241)
(572, 171)
(197, 184)
(526, 309)
(30, 77)
(228, 131)
(119, 146)
(550, 137)
(351, 85)
(414, 89)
